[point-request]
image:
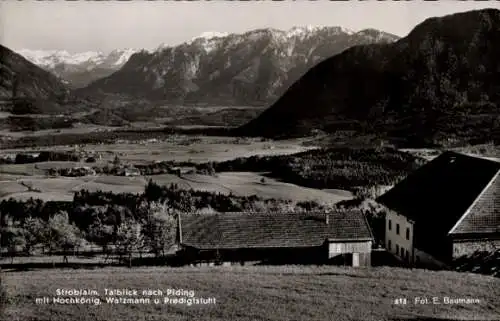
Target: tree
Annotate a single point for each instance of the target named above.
(153, 191)
(159, 228)
(35, 233)
(62, 234)
(129, 238)
(12, 239)
(3, 295)
(102, 235)
(116, 160)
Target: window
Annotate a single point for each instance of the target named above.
(397, 248)
(407, 233)
(402, 254)
(397, 229)
(389, 245)
(390, 225)
(407, 256)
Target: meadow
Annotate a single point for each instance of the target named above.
(195, 148)
(237, 183)
(258, 293)
(22, 181)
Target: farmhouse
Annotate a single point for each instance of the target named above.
(338, 238)
(448, 208)
(132, 171)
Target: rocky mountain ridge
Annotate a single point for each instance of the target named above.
(253, 68)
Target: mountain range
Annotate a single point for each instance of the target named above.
(253, 68)
(78, 69)
(439, 83)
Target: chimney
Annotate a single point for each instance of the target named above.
(178, 237)
(327, 219)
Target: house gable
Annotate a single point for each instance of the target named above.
(483, 217)
(438, 194)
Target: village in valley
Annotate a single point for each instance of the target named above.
(335, 194)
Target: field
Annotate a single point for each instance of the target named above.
(131, 115)
(258, 293)
(23, 181)
(186, 148)
(238, 183)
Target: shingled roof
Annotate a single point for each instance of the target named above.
(484, 214)
(437, 195)
(262, 230)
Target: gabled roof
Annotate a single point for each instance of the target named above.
(484, 214)
(265, 230)
(437, 195)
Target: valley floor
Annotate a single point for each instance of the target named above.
(195, 148)
(22, 181)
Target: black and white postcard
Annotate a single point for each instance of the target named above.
(249, 160)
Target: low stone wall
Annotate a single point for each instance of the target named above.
(469, 247)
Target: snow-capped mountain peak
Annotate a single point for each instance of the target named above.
(68, 65)
(52, 58)
(253, 67)
(208, 35)
(298, 31)
(121, 56)
(161, 47)
(208, 40)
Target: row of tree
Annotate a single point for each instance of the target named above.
(43, 156)
(117, 223)
(154, 233)
(110, 136)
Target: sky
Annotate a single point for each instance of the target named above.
(79, 26)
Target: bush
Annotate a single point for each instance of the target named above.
(3, 294)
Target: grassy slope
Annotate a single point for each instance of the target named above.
(259, 293)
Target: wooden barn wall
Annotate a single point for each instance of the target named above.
(347, 259)
(365, 259)
(335, 249)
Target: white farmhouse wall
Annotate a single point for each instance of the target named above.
(394, 241)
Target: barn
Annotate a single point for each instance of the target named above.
(448, 208)
(278, 238)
